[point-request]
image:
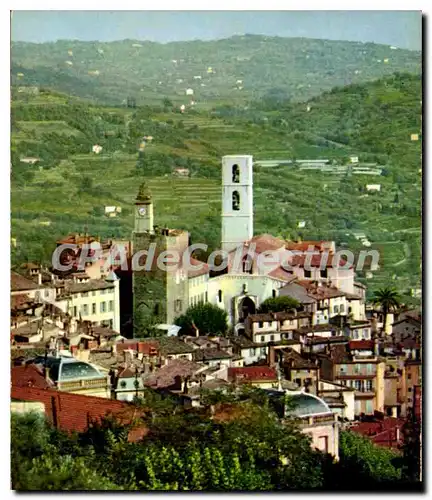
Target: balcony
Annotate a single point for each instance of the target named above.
(364, 394)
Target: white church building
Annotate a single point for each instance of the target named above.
(260, 266)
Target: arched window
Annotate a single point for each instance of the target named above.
(220, 295)
(236, 200)
(235, 174)
(274, 293)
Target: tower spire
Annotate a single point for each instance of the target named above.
(144, 193)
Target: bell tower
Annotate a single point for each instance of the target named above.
(237, 201)
(143, 211)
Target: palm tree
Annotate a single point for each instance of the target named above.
(389, 300)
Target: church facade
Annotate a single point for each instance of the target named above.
(256, 266)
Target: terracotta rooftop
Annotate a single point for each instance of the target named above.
(303, 246)
(166, 376)
(193, 273)
(91, 285)
(74, 412)
(383, 432)
(211, 354)
(320, 292)
(20, 283)
(315, 261)
(266, 242)
(281, 274)
(252, 374)
(361, 344)
(29, 376)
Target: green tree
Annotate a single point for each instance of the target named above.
(279, 304)
(389, 300)
(208, 318)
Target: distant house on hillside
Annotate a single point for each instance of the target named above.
(97, 149)
(30, 160)
(373, 187)
(112, 211)
(181, 172)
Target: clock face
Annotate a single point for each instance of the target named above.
(142, 210)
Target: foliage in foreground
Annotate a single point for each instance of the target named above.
(240, 445)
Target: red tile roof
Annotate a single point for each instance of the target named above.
(20, 283)
(281, 274)
(74, 412)
(20, 300)
(252, 374)
(266, 242)
(320, 292)
(29, 376)
(315, 261)
(302, 246)
(361, 344)
(192, 273)
(382, 433)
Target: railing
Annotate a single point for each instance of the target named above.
(317, 420)
(82, 384)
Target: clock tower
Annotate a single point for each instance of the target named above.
(143, 211)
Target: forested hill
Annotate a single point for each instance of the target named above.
(233, 70)
(375, 117)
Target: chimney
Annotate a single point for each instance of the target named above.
(272, 357)
(39, 277)
(376, 346)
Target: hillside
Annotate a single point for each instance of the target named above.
(230, 71)
(70, 186)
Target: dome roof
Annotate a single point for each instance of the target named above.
(306, 405)
(63, 369)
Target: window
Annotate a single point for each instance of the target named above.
(94, 293)
(343, 368)
(357, 385)
(85, 309)
(103, 307)
(274, 293)
(46, 293)
(271, 338)
(236, 200)
(178, 305)
(84, 294)
(94, 308)
(220, 295)
(260, 324)
(409, 389)
(262, 338)
(323, 273)
(103, 291)
(206, 296)
(341, 308)
(323, 444)
(369, 406)
(365, 333)
(235, 174)
(75, 311)
(349, 309)
(111, 305)
(369, 368)
(307, 274)
(369, 385)
(336, 309)
(355, 334)
(409, 376)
